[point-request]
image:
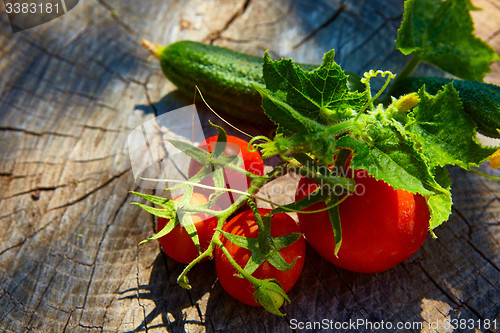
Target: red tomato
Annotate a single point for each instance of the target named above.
(244, 225)
(381, 227)
(177, 244)
(233, 179)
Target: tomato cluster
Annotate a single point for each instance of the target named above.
(381, 227)
(178, 245)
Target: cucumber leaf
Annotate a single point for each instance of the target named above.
(445, 132)
(391, 157)
(287, 118)
(321, 95)
(442, 34)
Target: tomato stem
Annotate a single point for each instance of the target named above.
(484, 174)
(264, 223)
(253, 280)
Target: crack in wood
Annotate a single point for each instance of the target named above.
(84, 70)
(325, 24)
(148, 97)
(469, 240)
(351, 290)
(26, 238)
(86, 96)
(71, 203)
(110, 222)
(36, 189)
(13, 300)
(493, 36)
(33, 44)
(115, 17)
(14, 129)
(217, 34)
(450, 297)
(138, 294)
(374, 33)
(67, 321)
(65, 256)
(104, 129)
(60, 102)
(91, 327)
(494, 3)
(282, 17)
(119, 76)
(29, 325)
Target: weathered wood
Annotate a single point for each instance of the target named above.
(73, 89)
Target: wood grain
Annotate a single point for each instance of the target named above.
(72, 90)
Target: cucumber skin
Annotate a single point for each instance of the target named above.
(224, 77)
(480, 100)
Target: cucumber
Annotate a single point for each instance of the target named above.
(224, 76)
(480, 100)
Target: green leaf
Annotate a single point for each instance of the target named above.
(163, 213)
(220, 146)
(334, 215)
(162, 202)
(187, 223)
(442, 34)
(244, 242)
(440, 204)
(445, 132)
(284, 241)
(285, 116)
(389, 156)
(194, 152)
(321, 95)
(169, 214)
(392, 158)
(439, 208)
(442, 176)
(318, 195)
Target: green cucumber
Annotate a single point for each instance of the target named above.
(480, 100)
(224, 76)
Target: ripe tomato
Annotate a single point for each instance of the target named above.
(244, 225)
(381, 227)
(233, 179)
(177, 244)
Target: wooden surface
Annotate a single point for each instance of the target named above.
(73, 89)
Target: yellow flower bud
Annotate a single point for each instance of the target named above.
(495, 160)
(406, 102)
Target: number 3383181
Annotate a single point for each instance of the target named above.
(31, 8)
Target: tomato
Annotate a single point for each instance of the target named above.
(381, 227)
(177, 244)
(244, 225)
(233, 179)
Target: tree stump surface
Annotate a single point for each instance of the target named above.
(73, 89)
